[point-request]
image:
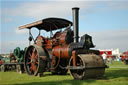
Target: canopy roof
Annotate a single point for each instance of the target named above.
(48, 24)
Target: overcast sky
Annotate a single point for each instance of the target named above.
(106, 21)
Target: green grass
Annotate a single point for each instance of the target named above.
(112, 76)
(117, 64)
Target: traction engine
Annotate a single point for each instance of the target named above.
(63, 51)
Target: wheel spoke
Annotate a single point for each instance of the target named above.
(33, 67)
(36, 62)
(30, 54)
(36, 56)
(29, 63)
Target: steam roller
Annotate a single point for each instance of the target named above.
(63, 50)
(14, 61)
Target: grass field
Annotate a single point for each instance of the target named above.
(117, 74)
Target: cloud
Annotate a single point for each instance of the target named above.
(110, 39)
(17, 31)
(103, 40)
(7, 47)
(45, 9)
(118, 4)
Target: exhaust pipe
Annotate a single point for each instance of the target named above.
(75, 13)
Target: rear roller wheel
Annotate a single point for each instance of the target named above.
(94, 67)
(35, 60)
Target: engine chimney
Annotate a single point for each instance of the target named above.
(75, 13)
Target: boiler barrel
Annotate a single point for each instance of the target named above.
(61, 51)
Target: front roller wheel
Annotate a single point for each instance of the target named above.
(94, 67)
(35, 60)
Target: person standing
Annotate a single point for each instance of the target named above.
(110, 60)
(104, 55)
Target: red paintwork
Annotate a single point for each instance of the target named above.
(124, 56)
(34, 57)
(61, 51)
(58, 44)
(42, 41)
(63, 38)
(108, 53)
(1, 62)
(74, 57)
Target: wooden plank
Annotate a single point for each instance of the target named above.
(31, 25)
